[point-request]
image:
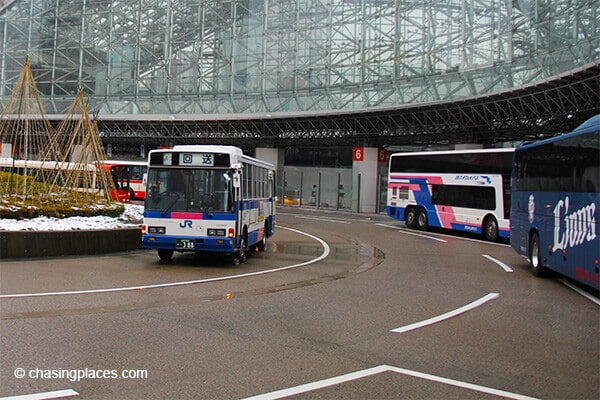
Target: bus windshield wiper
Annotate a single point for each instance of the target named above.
(171, 204)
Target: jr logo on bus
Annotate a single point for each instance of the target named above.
(573, 228)
(186, 223)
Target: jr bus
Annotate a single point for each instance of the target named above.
(463, 190)
(555, 203)
(204, 198)
(129, 178)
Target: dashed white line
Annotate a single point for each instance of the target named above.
(326, 251)
(56, 394)
(337, 221)
(423, 236)
(445, 235)
(413, 233)
(447, 315)
(500, 263)
(279, 394)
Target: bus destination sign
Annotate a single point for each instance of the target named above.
(197, 159)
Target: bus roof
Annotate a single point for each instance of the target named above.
(125, 162)
(589, 126)
(450, 152)
(209, 147)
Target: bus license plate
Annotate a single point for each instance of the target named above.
(185, 244)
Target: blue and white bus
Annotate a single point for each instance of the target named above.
(203, 198)
(462, 190)
(555, 203)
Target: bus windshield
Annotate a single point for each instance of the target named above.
(202, 190)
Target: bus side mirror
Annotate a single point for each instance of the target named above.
(236, 179)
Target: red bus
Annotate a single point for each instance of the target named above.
(129, 178)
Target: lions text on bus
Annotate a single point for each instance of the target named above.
(573, 228)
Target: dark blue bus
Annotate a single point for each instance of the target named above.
(555, 203)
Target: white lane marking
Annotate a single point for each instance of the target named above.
(413, 233)
(388, 226)
(319, 384)
(339, 221)
(580, 291)
(465, 385)
(423, 236)
(447, 315)
(380, 369)
(500, 263)
(451, 236)
(56, 394)
(366, 219)
(323, 255)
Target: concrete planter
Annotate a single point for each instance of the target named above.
(20, 244)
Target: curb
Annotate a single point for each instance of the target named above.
(24, 244)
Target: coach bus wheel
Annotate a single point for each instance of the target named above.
(422, 219)
(411, 218)
(490, 229)
(165, 254)
(535, 260)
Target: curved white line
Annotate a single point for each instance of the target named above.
(500, 263)
(323, 255)
(447, 315)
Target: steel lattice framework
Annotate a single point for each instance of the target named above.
(279, 71)
(529, 113)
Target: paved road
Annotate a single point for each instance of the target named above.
(339, 306)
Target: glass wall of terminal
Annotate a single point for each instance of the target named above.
(260, 56)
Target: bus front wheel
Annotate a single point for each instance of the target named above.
(535, 260)
(422, 223)
(411, 218)
(240, 255)
(165, 255)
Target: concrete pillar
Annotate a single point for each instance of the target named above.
(369, 163)
(273, 156)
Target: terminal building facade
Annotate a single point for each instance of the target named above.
(191, 70)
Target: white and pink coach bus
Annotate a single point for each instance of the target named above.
(463, 190)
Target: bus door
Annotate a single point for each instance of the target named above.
(237, 201)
